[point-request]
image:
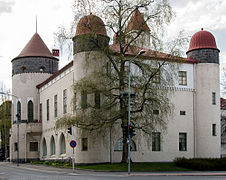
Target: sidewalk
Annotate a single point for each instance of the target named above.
(80, 171)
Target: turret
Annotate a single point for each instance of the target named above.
(207, 95)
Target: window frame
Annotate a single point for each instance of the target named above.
(34, 147)
(55, 106)
(182, 77)
(156, 141)
(182, 141)
(213, 98)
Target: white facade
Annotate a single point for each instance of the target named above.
(193, 129)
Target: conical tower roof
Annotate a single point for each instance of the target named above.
(35, 48)
(137, 22)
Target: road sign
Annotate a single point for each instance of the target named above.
(73, 143)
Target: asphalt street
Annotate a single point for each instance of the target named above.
(9, 171)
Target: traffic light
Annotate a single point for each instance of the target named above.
(69, 130)
(131, 131)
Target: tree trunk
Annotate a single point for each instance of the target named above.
(125, 146)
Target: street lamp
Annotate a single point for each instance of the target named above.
(129, 93)
(18, 119)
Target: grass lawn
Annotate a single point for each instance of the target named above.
(135, 167)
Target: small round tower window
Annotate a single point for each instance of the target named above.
(42, 69)
(23, 69)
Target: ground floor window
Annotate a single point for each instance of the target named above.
(44, 147)
(15, 146)
(84, 144)
(33, 146)
(62, 144)
(182, 141)
(119, 145)
(156, 141)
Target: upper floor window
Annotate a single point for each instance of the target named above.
(65, 101)
(156, 77)
(30, 113)
(19, 108)
(47, 109)
(41, 69)
(97, 99)
(182, 78)
(84, 99)
(40, 111)
(23, 69)
(213, 98)
(55, 106)
(214, 129)
(182, 113)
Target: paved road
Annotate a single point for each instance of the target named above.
(10, 171)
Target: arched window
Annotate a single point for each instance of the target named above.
(52, 146)
(41, 69)
(19, 108)
(30, 113)
(23, 69)
(119, 145)
(44, 147)
(62, 144)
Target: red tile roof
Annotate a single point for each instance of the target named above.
(202, 39)
(91, 24)
(150, 54)
(137, 22)
(35, 47)
(55, 75)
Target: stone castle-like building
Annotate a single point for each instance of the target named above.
(45, 93)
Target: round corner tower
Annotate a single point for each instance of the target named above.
(207, 98)
(31, 67)
(90, 42)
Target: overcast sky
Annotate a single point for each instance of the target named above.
(17, 25)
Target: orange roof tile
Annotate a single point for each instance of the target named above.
(137, 22)
(35, 47)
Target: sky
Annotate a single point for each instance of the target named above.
(18, 24)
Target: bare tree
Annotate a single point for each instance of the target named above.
(152, 74)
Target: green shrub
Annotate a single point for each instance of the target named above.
(202, 164)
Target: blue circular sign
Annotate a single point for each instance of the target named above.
(73, 143)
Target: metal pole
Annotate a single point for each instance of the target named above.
(73, 151)
(129, 138)
(129, 122)
(18, 143)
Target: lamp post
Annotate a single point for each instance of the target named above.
(129, 93)
(18, 119)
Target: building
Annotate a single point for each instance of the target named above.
(45, 93)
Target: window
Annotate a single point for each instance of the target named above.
(15, 146)
(156, 78)
(108, 68)
(119, 145)
(97, 99)
(83, 99)
(52, 146)
(40, 111)
(47, 109)
(19, 108)
(23, 69)
(30, 113)
(62, 144)
(214, 129)
(182, 141)
(182, 113)
(156, 112)
(55, 106)
(183, 78)
(42, 69)
(44, 148)
(156, 141)
(33, 146)
(65, 101)
(84, 144)
(213, 98)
